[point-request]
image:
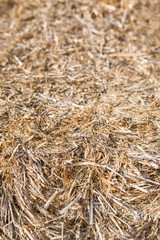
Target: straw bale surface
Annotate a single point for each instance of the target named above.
(79, 119)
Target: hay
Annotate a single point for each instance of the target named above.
(80, 119)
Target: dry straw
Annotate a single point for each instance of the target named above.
(80, 119)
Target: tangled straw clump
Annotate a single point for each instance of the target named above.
(80, 120)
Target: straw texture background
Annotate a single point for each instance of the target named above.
(79, 120)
